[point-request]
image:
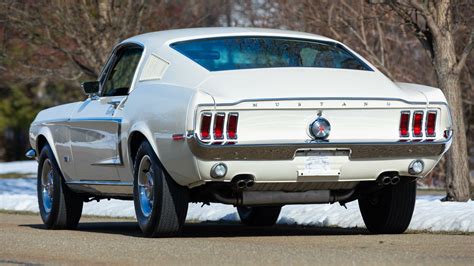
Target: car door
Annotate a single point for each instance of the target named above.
(96, 124)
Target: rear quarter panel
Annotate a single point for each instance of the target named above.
(159, 111)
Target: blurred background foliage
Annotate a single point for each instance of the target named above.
(48, 47)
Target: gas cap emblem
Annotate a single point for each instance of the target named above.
(320, 128)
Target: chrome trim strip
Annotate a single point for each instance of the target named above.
(73, 120)
(287, 151)
(324, 99)
(99, 183)
(94, 119)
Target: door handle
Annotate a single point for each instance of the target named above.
(114, 104)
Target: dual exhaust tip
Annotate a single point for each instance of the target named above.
(388, 180)
(242, 182)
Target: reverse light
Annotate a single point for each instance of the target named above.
(404, 123)
(219, 170)
(219, 126)
(417, 124)
(431, 124)
(416, 167)
(206, 125)
(232, 125)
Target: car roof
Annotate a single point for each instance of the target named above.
(158, 38)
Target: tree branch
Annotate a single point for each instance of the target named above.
(424, 36)
(465, 53)
(428, 17)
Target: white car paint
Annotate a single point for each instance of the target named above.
(275, 107)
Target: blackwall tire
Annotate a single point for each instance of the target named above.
(160, 203)
(390, 210)
(60, 208)
(259, 216)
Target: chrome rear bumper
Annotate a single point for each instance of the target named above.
(287, 151)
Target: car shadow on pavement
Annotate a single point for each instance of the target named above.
(214, 229)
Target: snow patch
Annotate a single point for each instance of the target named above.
(21, 167)
(430, 213)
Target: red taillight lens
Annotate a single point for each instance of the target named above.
(206, 125)
(219, 126)
(404, 124)
(232, 125)
(417, 124)
(431, 124)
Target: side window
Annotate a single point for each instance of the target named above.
(119, 78)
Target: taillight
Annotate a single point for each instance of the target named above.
(417, 124)
(404, 123)
(232, 125)
(431, 124)
(206, 126)
(219, 126)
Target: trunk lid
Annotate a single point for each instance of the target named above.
(278, 105)
(291, 83)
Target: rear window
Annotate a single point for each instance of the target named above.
(231, 53)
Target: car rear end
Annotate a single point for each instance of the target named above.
(270, 94)
(271, 140)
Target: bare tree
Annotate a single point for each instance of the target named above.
(71, 39)
(372, 31)
(433, 24)
(46, 46)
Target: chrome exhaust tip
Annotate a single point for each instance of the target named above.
(250, 183)
(395, 180)
(241, 184)
(386, 180)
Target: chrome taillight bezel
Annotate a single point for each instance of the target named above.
(229, 116)
(207, 116)
(422, 113)
(434, 125)
(217, 118)
(402, 113)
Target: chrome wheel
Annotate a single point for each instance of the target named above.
(145, 185)
(47, 185)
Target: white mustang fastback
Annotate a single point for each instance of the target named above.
(255, 118)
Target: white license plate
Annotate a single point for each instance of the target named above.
(322, 165)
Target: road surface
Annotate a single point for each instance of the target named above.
(117, 241)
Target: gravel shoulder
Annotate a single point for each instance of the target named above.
(118, 241)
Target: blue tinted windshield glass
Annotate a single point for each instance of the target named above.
(232, 53)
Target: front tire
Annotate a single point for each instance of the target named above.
(60, 208)
(160, 203)
(259, 215)
(389, 211)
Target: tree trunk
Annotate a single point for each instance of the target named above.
(457, 164)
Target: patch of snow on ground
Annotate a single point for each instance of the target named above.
(21, 167)
(430, 213)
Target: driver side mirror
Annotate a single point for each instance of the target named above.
(90, 88)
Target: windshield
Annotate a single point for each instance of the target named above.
(231, 53)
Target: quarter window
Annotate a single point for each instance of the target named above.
(120, 77)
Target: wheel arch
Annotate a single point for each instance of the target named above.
(138, 134)
(45, 137)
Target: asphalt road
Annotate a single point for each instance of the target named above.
(114, 241)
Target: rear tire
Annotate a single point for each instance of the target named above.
(160, 203)
(389, 211)
(60, 208)
(259, 216)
